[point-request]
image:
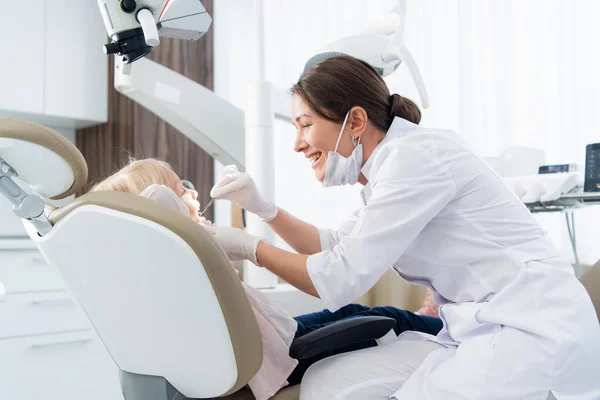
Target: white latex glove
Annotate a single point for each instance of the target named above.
(240, 188)
(238, 244)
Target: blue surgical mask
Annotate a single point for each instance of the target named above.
(341, 170)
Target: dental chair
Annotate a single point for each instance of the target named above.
(591, 281)
(158, 290)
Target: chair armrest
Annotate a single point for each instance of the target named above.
(343, 333)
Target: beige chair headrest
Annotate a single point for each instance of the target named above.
(55, 143)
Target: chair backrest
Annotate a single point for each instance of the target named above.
(161, 294)
(591, 281)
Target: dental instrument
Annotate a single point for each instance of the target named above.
(206, 208)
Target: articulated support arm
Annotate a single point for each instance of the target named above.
(25, 206)
(212, 123)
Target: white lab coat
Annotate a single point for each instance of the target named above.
(442, 218)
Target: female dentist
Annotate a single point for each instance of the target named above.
(517, 322)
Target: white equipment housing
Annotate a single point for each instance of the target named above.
(135, 26)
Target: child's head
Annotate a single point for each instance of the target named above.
(137, 175)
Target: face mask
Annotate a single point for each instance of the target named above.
(340, 170)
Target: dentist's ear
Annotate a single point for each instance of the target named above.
(357, 120)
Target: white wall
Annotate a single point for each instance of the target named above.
(498, 72)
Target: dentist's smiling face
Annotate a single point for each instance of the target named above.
(317, 136)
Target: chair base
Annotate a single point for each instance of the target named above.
(148, 387)
(145, 387)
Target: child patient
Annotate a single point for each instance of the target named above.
(156, 180)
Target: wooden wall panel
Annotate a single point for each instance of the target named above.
(133, 130)
(105, 147)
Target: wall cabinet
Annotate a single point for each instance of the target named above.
(48, 348)
(52, 68)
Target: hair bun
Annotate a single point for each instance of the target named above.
(395, 101)
(404, 108)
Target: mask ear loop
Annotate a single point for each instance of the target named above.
(341, 132)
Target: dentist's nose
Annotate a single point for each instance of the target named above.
(299, 143)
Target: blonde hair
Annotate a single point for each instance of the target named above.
(137, 175)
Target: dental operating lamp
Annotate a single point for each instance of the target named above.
(227, 133)
(381, 46)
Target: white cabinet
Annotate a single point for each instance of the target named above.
(74, 55)
(25, 271)
(48, 348)
(72, 366)
(52, 67)
(22, 56)
(40, 313)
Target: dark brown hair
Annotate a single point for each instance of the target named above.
(333, 86)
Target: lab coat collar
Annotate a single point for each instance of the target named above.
(399, 127)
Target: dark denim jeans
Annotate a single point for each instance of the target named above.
(406, 321)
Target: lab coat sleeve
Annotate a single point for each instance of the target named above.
(329, 238)
(410, 187)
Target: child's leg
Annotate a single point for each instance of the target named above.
(309, 322)
(405, 320)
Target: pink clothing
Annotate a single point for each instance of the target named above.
(277, 328)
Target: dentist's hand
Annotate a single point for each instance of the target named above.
(238, 244)
(240, 188)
